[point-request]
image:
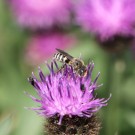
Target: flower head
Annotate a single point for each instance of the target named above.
(41, 13)
(106, 18)
(41, 46)
(66, 94)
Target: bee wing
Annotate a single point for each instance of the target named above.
(65, 54)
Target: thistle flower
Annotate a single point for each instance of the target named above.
(41, 46)
(41, 13)
(107, 18)
(112, 21)
(66, 98)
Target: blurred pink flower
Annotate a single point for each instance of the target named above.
(106, 18)
(41, 13)
(41, 47)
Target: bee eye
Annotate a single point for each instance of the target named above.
(77, 63)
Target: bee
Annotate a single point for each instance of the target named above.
(77, 64)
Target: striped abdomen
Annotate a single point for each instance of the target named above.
(62, 58)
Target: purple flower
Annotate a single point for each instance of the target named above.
(106, 18)
(41, 46)
(41, 13)
(65, 93)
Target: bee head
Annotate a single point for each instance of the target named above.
(77, 63)
(82, 71)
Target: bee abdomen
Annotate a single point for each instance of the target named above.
(60, 57)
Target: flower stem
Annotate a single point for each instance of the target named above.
(116, 69)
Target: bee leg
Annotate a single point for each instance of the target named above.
(62, 68)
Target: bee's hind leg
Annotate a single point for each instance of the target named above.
(62, 68)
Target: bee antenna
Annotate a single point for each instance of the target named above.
(80, 57)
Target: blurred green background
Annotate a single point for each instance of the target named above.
(117, 75)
